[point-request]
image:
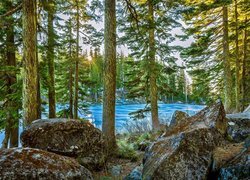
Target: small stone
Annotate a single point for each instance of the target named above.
(136, 174)
(116, 170)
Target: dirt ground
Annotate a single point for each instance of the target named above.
(126, 164)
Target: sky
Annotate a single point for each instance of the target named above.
(125, 50)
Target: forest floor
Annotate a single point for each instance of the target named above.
(126, 166)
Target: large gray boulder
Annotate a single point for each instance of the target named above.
(73, 138)
(231, 162)
(178, 117)
(185, 151)
(210, 117)
(27, 163)
(238, 126)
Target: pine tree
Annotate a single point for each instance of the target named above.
(226, 64)
(50, 8)
(148, 37)
(237, 61)
(217, 27)
(109, 73)
(30, 94)
(9, 114)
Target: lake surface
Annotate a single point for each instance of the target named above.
(123, 117)
(122, 113)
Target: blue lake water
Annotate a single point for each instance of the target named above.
(122, 114)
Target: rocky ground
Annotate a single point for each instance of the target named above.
(118, 168)
(208, 145)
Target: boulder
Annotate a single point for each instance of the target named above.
(185, 151)
(231, 162)
(136, 174)
(73, 138)
(177, 118)
(210, 117)
(27, 163)
(238, 126)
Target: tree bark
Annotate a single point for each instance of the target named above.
(30, 83)
(109, 75)
(227, 70)
(70, 73)
(11, 80)
(12, 121)
(50, 58)
(245, 71)
(152, 71)
(237, 61)
(39, 110)
(77, 62)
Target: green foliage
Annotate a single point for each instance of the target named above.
(126, 150)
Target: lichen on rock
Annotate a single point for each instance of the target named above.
(28, 163)
(185, 150)
(73, 138)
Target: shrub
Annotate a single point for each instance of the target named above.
(126, 150)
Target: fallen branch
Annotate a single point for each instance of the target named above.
(12, 11)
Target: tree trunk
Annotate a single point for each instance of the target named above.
(77, 62)
(30, 83)
(245, 71)
(227, 70)
(50, 58)
(109, 75)
(237, 61)
(152, 71)
(39, 110)
(6, 139)
(70, 73)
(12, 122)
(11, 80)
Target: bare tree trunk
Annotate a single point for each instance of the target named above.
(109, 82)
(30, 83)
(39, 110)
(227, 70)
(6, 139)
(11, 80)
(245, 71)
(50, 58)
(11, 127)
(237, 61)
(77, 62)
(153, 71)
(70, 74)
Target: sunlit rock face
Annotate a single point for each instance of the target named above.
(28, 163)
(210, 117)
(185, 150)
(74, 138)
(177, 118)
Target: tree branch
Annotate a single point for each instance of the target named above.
(12, 11)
